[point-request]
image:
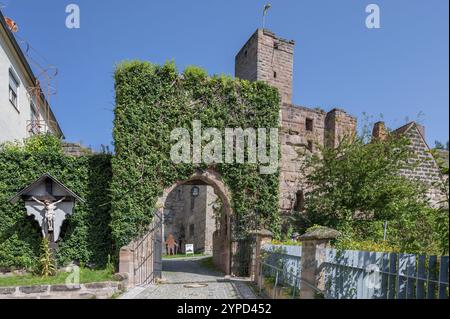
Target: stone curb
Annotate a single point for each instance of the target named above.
(101, 290)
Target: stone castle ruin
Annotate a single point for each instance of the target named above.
(266, 57)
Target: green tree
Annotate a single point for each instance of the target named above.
(440, 146)
(357, 187)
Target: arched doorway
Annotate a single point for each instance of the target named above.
(141, 260)
(198, 211)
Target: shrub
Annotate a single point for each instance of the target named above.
(367, 245)
(47, 266)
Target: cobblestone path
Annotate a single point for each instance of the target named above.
(188, 279)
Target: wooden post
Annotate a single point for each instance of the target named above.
(53, 247)
(314, 244)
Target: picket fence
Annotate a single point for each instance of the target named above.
(353, 274)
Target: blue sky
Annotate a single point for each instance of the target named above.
(399, 71)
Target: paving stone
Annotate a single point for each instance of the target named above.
(178, 273)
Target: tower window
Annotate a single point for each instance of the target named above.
(274, 75)
(276, 45)
(309, 125)
(310, 146)
(299, 201)
(245, 53)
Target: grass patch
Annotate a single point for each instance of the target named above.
(86, 276)
(182, 256)
(286, 242)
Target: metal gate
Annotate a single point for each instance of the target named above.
(147, 256)
(243, 257)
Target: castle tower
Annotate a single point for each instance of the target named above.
(267, 58)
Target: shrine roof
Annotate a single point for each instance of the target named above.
(37, 182)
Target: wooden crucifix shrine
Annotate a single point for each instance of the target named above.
(49, 201)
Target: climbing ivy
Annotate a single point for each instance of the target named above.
(121, 191)
(86, 236)
(153, 100)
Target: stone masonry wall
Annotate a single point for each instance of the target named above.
(210, 220)
(246, 62)
(304, 130)
(338, 125)
(75, 149)
(428, 170)
(295, 140)
(101, 290)
(268, 58)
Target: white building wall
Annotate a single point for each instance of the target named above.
(13, 122)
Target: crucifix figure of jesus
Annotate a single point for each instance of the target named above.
(49, 210)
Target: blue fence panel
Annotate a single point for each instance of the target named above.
(443, 278)
(421, 277)
(287, 258)
(351, 274)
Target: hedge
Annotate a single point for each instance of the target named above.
(153, 100)
(86, 235)
(121, 191)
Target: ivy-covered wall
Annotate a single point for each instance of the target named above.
(153, 100)
(86, 235)
(121, 191)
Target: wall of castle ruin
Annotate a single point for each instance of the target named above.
(426, 168)
(304, 131)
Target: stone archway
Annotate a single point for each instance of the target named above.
(141, 260)
(221, 239)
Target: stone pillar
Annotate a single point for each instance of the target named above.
(126, 264)
(314, 244)
(379, 131)
(262, 237)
